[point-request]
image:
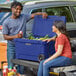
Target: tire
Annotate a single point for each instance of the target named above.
(41, 57)
(62, 74)
(28, 72)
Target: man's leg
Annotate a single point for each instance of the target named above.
(10, 55)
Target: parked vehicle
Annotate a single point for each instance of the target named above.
(59, 8)
(3, 16)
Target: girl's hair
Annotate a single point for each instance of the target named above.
(15, 4)
(61, 26)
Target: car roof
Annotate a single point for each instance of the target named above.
(49, 3)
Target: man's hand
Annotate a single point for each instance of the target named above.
(19, 35)
(7, 37)
(44, 15)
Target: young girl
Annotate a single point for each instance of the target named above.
(63, 54)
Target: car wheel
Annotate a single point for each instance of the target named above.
(41, 57)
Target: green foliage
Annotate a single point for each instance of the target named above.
(31, 37)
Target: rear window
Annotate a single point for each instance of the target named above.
(74, 8)
(74, 12)
(60, 11)
(36, 10)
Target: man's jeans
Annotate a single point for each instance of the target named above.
(59, 61)
(11, 55)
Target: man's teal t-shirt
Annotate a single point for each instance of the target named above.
(14, 26)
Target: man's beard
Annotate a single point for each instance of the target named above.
(16, 15)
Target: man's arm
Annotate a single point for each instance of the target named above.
(7, 37)
(44, 14)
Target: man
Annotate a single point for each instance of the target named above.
(13, 25)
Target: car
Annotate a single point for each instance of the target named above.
(4, 13)
(58, 8)
(3, 16)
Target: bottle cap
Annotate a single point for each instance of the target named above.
(4, 67)
(20, 32)
(10, 67)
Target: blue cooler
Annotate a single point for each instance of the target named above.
(37, 50)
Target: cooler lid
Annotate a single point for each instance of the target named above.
(42, 27)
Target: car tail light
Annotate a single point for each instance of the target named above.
(1, 27)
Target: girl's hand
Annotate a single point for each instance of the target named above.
(48, 40)
(45, 61)
(45, 40)
(51, 39)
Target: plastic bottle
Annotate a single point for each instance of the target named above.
(12, 72)
(10, 69)
(5, 71)
(14, 69)
(20, 32)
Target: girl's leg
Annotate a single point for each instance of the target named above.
(40, 70)
(59, 61)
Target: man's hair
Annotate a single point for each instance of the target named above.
(15, 4)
